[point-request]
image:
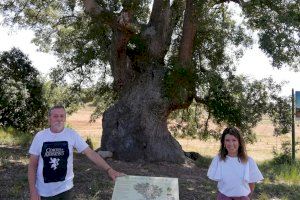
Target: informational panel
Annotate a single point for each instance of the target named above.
(145, 188)
(297, 104)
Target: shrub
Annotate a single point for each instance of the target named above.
(284, 155)
(22, 105)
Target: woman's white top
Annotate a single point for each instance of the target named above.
(233, 176)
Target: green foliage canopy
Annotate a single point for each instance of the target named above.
(84, 41)
(22, 104)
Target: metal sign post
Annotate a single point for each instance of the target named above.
(293, 126)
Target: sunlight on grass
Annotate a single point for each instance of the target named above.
(263, 196)
(281, 181)
(289, 173)
(273, 173)
(281, 173)
(11, 137)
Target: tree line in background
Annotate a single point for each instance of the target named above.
(26, 97)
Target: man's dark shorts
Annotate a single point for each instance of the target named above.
(67, 195)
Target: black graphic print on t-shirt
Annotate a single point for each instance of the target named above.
(55, 156)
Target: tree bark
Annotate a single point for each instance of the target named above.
(136, 126)
(189, 32)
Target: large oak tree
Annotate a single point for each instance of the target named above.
(162, 55)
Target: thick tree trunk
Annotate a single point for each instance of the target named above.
(136, 126)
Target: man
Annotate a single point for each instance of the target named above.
(50, 169)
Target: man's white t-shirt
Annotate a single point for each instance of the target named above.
(233, 176)
(55, 166)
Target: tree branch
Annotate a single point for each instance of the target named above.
(92, 7)
(123, 22)
(189, 32)
(157, 31)
(99, 14)
(123, 28)
(176, 12)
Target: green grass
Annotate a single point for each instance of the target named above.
(281, 180)
(12, 137)
(273, 172)
(281, 172)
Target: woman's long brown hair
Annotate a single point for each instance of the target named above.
(242, 155)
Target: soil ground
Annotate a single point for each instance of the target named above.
(92, 183)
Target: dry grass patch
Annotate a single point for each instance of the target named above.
(261, 150)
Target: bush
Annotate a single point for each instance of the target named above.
(282, 168)
(285, 155)
(22, 105)
(62, 94)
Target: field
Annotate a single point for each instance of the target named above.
(282, 182)
(260, 151)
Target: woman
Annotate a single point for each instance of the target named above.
(235, 172)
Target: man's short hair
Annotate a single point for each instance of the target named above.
(55, 107)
